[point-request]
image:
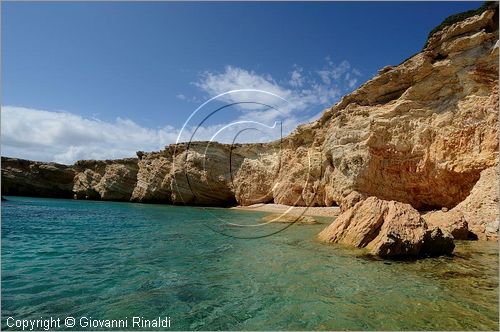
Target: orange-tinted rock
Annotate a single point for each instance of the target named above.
(480, 208)
(387, 229)
(452, 221)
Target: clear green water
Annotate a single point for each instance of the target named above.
(116, 260)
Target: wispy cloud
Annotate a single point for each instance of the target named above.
(304, 91)
(296, 77)
(65, 137)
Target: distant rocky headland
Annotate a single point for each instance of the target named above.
(411, 157)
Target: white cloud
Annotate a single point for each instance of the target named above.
(234, 78)
(296, 78)
(65, 137)
(305, 92)
(351, 80)
(192, 99)
(331, 72)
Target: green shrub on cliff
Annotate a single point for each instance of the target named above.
(462, 16)
(457, 18)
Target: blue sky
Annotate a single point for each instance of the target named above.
(138, 70)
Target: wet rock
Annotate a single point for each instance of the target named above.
(388, 229)
(437, 242)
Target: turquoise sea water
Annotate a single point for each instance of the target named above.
(114, 260)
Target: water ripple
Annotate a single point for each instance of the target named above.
(112, 260)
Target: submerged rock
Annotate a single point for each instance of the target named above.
(388, 229)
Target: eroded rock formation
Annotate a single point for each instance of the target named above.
(387, 229)
(453, 222)
(422, 133)
(107, 180)
(480, 208)
(31, 178)
(419, 133)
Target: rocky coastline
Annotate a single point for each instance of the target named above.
(410, 157)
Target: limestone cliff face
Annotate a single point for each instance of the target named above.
(480, 208)
(30, 178)
(107, 180)
(198, 173)
(153, 184)
(419, 133)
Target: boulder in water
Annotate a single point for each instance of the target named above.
(388, 229)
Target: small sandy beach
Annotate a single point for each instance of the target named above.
(333, 211)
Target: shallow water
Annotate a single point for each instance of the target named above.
(114, 260)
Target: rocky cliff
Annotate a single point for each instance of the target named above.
(419, 133)
(107, 180)
(31, 178)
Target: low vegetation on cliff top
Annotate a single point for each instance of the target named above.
(462, 16)
(452, 19)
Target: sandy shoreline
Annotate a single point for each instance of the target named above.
(333, 211)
